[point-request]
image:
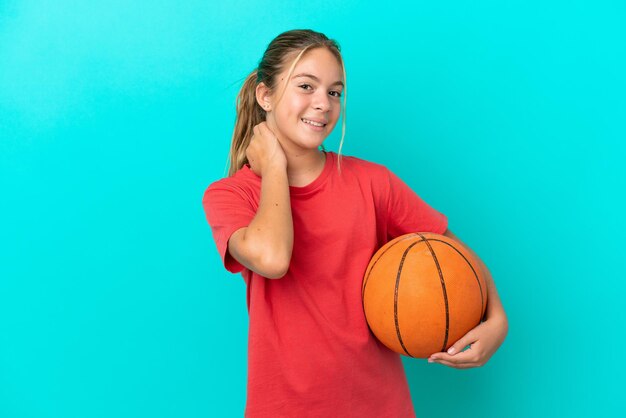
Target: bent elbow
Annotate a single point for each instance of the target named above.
(274, 267)
(266, 258)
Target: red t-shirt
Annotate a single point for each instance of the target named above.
(310, 351)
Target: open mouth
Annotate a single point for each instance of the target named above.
(313, 123)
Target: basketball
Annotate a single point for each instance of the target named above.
(422, 292)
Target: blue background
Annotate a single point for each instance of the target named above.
(507, 116)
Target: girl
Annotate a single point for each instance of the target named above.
(301, 225)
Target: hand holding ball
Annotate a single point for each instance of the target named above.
(422, 292)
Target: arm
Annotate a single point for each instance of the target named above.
(266, 244)
(495, 310)
(486, 337)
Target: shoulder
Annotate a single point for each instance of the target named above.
(371, 175)
(243, 184)
(363, 166)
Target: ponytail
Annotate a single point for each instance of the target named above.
(249, 114)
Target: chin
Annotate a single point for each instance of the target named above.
(309, 142)
(312, 141)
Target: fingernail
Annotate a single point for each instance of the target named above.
(431, 360)
(451, 350)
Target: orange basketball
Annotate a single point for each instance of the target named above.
(422, 292)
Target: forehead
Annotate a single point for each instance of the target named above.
(321, 63)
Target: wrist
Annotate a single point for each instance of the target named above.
(274, 167)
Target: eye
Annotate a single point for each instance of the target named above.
(304, 86)
(337, 93)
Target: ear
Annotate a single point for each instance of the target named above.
(263, 97)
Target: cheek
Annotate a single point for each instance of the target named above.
(287, 117)
(290, 106)
(299, 98)
(336, 111)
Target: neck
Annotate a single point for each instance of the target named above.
(304, 167)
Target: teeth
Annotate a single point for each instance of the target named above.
(312, 123)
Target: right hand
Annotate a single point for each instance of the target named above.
(264, 150)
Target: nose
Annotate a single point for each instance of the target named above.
(322, 102)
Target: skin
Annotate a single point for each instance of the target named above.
(486, 337)
(284, 152)
(303, 97)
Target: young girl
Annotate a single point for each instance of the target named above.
(301, 225)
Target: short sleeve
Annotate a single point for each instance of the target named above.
(407, 212)
(226, 210)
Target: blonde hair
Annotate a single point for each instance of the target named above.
(276, 56)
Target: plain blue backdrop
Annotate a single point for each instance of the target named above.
(507, 116)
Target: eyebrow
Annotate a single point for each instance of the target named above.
(336, 83)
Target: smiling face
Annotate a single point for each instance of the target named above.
(310, 106)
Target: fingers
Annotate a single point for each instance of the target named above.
(464, 352)
(483, 342)
(462, 357)
(466, 340)
(264, 150)
(264, 130)
(463, 360)
(458, 365)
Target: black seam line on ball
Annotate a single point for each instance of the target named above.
(443, 288)
(379, 257)
(480, 287)
(395, 296)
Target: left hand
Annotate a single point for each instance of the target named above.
(483, 340)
